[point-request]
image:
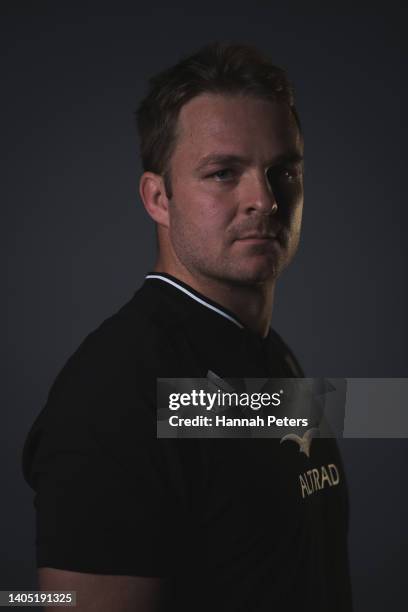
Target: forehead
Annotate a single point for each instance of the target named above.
(239, 124)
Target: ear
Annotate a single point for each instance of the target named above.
(153, 194)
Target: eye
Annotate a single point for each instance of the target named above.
(226, 174)
(286, 174)
(289, 175)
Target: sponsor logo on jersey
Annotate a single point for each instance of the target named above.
(317, 479)
(304, 442)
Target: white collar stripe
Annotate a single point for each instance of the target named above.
(196, 298)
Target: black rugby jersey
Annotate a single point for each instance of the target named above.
(229, 524)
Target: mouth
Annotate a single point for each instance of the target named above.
(258, 237)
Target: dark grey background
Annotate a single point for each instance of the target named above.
(77, 242)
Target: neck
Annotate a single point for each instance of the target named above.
(251, 304)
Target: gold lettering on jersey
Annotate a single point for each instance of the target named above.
(334, 472)
(317, 479)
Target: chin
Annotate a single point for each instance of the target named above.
(265, 269)
(256, 275)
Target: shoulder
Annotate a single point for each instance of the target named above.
(104, 396)
(135, 340)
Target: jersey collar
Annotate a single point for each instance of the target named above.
(195, 295)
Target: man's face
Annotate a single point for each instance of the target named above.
(237, 188)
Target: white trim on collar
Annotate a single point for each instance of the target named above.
(196, 298)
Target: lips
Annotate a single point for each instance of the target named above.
(258, 237)
(260, 234)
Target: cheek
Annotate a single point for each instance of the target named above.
(295, 222)
(297, 219)
(206, 213)
(290, 202)
(215, 215)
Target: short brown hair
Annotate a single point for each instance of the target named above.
(216, 68)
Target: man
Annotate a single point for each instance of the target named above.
(132, 522)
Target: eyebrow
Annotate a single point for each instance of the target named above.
(227, 159)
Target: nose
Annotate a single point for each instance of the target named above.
(259, 197)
